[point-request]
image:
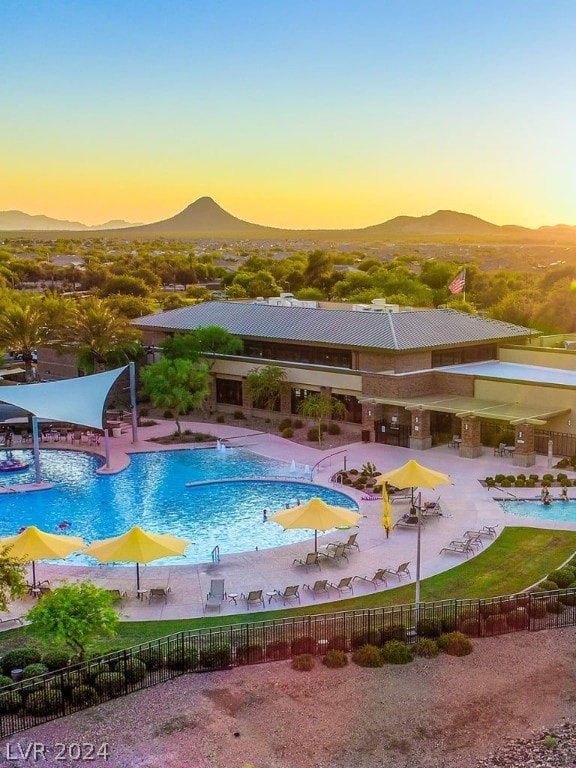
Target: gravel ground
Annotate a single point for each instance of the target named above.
(492, 708)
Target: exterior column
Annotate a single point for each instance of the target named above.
(420, 435)
(247, 401)
(286, 399)
(369, 415)
(471, 445)
(524, 452)
(211, 399)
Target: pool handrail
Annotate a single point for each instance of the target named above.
(324, 458)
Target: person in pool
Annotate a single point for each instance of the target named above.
(264, 515)
(564, 494)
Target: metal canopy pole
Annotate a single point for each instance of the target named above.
(36, 448)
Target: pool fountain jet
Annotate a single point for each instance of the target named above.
(307, 472)
(219, 445)
(293, 467)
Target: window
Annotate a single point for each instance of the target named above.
(229, 391)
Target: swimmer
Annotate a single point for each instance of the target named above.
(22, 529)
(264, 515)
(564, 494)
(547, 500)
(63, 525)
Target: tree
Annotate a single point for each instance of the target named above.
(179, 385)
(74, 614)
(24, 328)
(99, 331)
(321, 407)
(210, 340)
(264, 386)
(12, 578)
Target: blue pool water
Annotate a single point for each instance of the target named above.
(152, 493)
(564, 511)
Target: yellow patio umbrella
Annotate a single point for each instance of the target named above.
(317, 515)
(414, 475)
(136, 545)
(32, 544)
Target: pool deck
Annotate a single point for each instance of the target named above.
(466, 505)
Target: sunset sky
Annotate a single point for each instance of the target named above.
(292, 113)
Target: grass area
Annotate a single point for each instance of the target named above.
(516, 560)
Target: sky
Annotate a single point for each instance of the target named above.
(290, 113)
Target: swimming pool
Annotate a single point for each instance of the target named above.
(563, 511)
(152, 492)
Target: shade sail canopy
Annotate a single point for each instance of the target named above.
(413, 475)
(316, 515)
(79, 401)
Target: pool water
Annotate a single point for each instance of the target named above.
(563, 511)
(152, 493)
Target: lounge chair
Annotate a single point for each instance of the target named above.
(337, 554)
(311, 559)
(290, 593)
(319, 587)
(217, 595)
(486, 530)
(403, 495)
(348, 545)
(376, 580)
(431, 508)
(254, 597)
(460, 547)
(117, 596)
(409, 522)
(344, 585)
(159, 592)
(402, 570)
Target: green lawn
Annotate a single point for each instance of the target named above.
(515, 561)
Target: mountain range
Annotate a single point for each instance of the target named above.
(205, 218)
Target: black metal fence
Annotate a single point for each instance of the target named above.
(26, 703)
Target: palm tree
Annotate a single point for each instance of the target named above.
(102, 335)
(24, 326)
(322, 407)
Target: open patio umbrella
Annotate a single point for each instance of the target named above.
(33, 544)
(136, 545)
(414, 475)
(317, 515)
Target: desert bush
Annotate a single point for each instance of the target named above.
(427, 647)
(338, 643)
(333, 428)
(392, 632)
(48, 701)
(569, 599)
(554, 606)
(469, 627)
(284, 424)
(304, 662)
(506, 483)
(489, 609)
(110, 683)
(396, 652)
(33, 670)
(547, 478)
(168, 414)
(500, 477)
(517, 619)
(303, 645)
(312, 435)
(153, 657)
(368, 656)
(249, 653)
(19, 658)
(335, 659)
(134, 669)
(448, 623)
(297, 423)
(519, 483)
(84, 696)
(288, 433)
(10, 702)
(429, 628)
(239, 415)
(95, 669)
(216, 657)
(278, 649)
(220, 419)
(490, 482)
(530, 483)
(537, 609)
(5, 680)
(507, 606)
(547, 584)
(57, 658)
(496, 624)
(563, 577)
(455, 644)
(371, 637)
(182, 658)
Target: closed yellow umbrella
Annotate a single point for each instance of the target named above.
(316, 515)
(33, 544)
(136, 545)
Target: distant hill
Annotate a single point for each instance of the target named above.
(19, 221)
(439, 223)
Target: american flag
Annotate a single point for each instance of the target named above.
(459, 283)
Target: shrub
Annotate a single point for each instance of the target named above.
(284, 424)
(455, 644)
(530, 483)
(297, 423)
(368, 656)
(57, 658)
(397, 652)
(134, 669)
(33, 670)
(517, 619)
(84, 696)
(334, 429)
(312, 435)
(547, 584)
(278, 649)
(496, 624)
(98, 668)
(519, 483)
(392, 632)
(500, 477)
(5, 680)
(448, 624)
(511, 478)
(470, 627)
(429, 628)
(569, 599)
(239, 415)
(554, 606)
(537, 609)
(563, 577)
(489, 609)
(249, 653)
(153, 657)
(110, 683)
(533, 477)
(506, 483)
(338, 643)
(304, 662)
(288, 432)
(45, 702)
(69, 680)
(372, 637)
(182, 657)
(303, 645)
(10, 702)
(168, 414)
(20, 658)
(335, 659)
(547, 478)
(216, 657)
(427, 648)
(323, 427)
(220, 419)
(490, 482)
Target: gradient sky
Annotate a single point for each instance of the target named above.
(293, 113)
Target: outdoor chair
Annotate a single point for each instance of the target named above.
(254, 597)
(339, 553)
(486, 530)
(311, 559)
(159, 592)
(409, 522)
(403, 495)
(216, 596)
(402, 570)
(117, 596)
(348, 545)
(25, 436)
(2, 439)
(499, 450)
(76, 436)
(290, 593)
(460, 547)
(376, 580)
(319, 587)
(344, 585)
(431, 508)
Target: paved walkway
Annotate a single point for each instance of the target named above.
(466, 505)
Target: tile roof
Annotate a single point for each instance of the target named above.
(412, 329)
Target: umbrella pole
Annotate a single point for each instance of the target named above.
(33, 573)
(137, 577)
(315, 540)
